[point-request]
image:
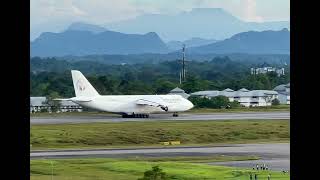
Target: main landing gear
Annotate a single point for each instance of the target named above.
(135, 115)
(175, 114)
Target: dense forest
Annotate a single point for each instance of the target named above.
(51, 77)
(156, 58)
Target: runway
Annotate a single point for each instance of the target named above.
(156, 117)
(276, 156)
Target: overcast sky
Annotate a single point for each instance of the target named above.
(55, 15)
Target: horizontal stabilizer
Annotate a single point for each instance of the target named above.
(60, 99)
(75, 99)
(81, 99)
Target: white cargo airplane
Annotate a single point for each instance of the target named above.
(136, 106)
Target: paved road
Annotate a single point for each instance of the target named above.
(276, 156)
(116, 118)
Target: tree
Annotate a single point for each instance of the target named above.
(164, 87)
(155, 174)
(234, 104)
(275, 102)
(55, 105)
(193, 84)
(220, 102)
(214, 102)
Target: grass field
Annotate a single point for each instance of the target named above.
(137, 134)
(119, 169)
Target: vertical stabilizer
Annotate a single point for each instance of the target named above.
(82, 86)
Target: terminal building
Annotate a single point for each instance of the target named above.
(283, 93)
(243, 96)
(265, 70)
(38, 104)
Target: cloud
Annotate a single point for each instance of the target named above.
(56, 15)
(251, 11)
(87, 10)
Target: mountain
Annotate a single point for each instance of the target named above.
(252, 42)
(79, 26)
(207, 23)
(80, 42)
(193, 42)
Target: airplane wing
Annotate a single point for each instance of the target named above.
(152, 102)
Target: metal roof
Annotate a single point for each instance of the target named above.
(184, 95)
(285, 93)
(203, 93)
(243, 90)
(288, 85)
(242, 93)
(228, 90)
(177, 90)
(282, 87)
(38, 101)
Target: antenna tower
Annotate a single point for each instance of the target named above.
(183, 62)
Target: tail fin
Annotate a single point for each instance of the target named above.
(81, 85)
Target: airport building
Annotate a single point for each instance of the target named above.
(243, 96)
(38, 104)
(265, 70)
(283, 93)
(179, 91)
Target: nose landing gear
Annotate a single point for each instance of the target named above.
(175, 114)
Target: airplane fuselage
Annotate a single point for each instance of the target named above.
(127, 104)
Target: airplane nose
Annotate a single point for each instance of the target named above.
(190, 105)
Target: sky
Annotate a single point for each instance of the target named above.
(56, 15)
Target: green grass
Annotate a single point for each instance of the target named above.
(194, 159)
(125, 134)
(104, 168)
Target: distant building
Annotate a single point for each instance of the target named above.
(283, 93)
(265, 70)
(39, 103)
(179, 91)
(243, 96)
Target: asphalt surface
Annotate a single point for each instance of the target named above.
(154, 117)
(276, 156)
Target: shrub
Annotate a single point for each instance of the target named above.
(275, 102)
(155, 174)
(217, 102)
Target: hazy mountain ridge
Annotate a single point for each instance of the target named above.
(193, 42)
(252, 42)
(80, 26)
(75, 42)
